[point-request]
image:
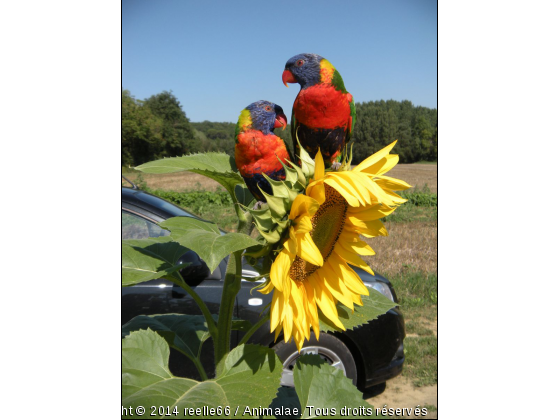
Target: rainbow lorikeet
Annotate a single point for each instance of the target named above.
(324, 113)
(257, 148)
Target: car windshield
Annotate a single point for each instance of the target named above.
(136, 227)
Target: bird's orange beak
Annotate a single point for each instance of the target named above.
(288, 77)
(281, 121)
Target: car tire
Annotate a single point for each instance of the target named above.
(328, 347)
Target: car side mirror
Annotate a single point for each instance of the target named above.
(196, 271)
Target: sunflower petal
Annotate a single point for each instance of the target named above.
(360, 182)
(383, 166)
(319, 166)
(351, 279)
(352, 258)
(335, 284)
(359, 247)
(370, 213)
(269, 287)
(325, 301)
(280, 269)
(276, 310)
(376, 157)
(392, 183)
(312, 308)
(303, 205)
(348, 194)
(288, 322)
(317, 191)
(308, 251)
(371, 228)
(303, 225)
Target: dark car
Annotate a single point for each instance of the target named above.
(369, 355)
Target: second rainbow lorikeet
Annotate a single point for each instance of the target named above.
(324, 113)
(257, 148)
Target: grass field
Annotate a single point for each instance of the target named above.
(407, 257)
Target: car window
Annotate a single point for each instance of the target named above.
(136, 227)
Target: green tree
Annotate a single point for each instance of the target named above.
(141, 132)
(177, 133)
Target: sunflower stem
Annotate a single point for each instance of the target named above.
(232, 284)
(245, 220)
(253, 329)
(212, 328)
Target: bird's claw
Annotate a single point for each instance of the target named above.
(336, 166)
(258, 205)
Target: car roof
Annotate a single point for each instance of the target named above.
(149, 205)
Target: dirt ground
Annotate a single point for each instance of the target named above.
(400, 393)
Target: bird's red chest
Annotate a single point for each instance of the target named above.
(322, 106)
(256, 152)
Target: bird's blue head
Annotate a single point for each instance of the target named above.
(266, 116)
(304, 69)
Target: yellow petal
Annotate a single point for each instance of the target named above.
(358, 247)
(290, 244)
(319, 166)
(287, 322)
(370, 213)
(392, 183)
(376, 157)
(280, 269)
(351, 279)
(312, 308)
(269, 287)
(317, 191)
(325, 301)
(360, 182)
(303, 225)
(276, 310)
(352, 258)
(277, 331)
(371, 228)
(387, 197)
(303, 205)
(348, 194)
(383, 166)
(308, 251)
(335, 284)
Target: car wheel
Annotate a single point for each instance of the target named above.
(329, 348)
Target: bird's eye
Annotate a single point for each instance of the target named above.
(268, 108)
(299, 63)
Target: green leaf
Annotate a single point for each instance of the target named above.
(327, 390)
(147, 259)
(205, 239)
(375, 304)
(250, 378)
(218, 166)
(228, 180)
(244, 196)
(187, 333)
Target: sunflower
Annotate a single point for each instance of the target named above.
(312, 271)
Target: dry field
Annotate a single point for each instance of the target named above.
(416, 174)
(179, 181)
(409, 246)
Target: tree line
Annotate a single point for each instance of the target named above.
(158, 127)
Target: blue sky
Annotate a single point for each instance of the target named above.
(219, 56)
